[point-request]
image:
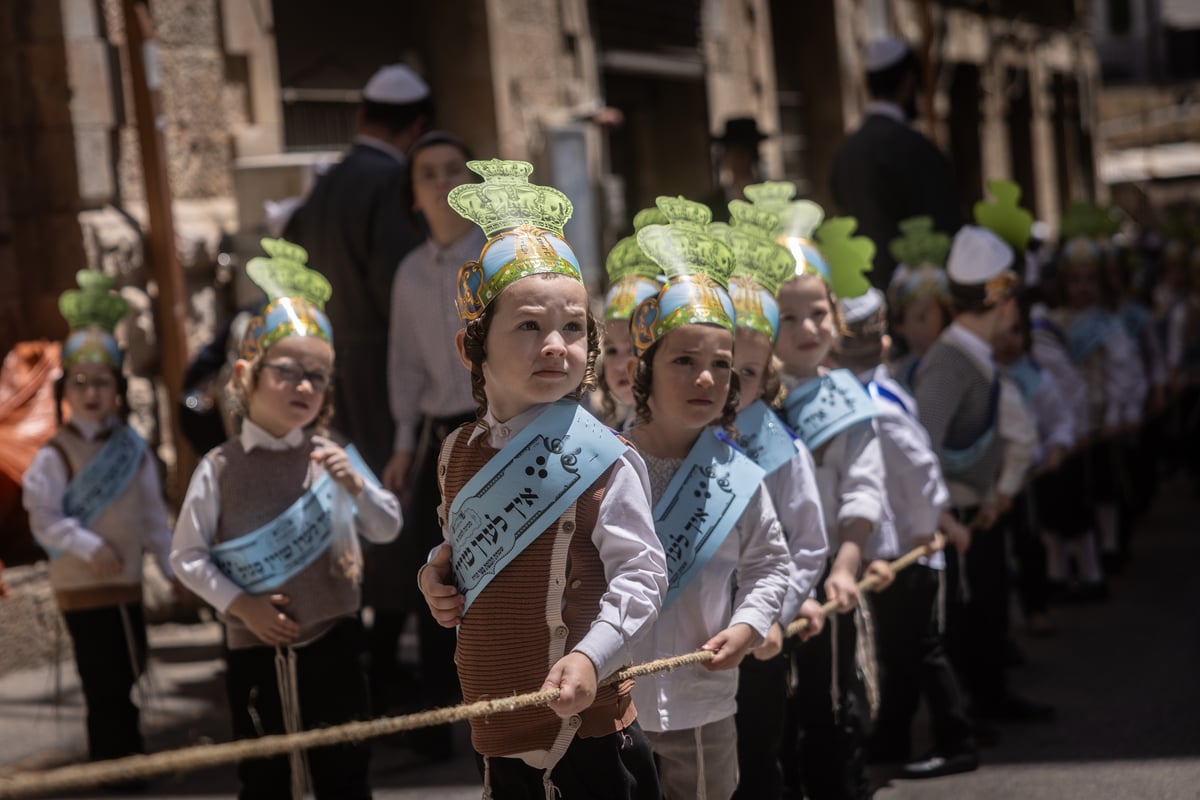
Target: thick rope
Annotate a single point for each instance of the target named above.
(187, 759)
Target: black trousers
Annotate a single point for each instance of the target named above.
(824, 756)
(912, 660)
(332, 688)
(761, 717)
(977, 628)
(619, 766)
(110, 654)
(1033, 587)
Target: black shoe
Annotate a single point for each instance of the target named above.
(1015, 708)
(936, 765)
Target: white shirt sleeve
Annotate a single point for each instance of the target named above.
(763, 566)
(1056, 425)
(793, 489)
(914, 475)
(194, 533)
(1018, 433)
(861, 488)
(155, 527)
(406, 371)
(378, 518)
(44, 485)
(635, 567)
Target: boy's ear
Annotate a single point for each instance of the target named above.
(460, 339)
(241, 373)
(631, 366)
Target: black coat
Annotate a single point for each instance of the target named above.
(886, 172)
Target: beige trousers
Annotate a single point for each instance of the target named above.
(697, 763)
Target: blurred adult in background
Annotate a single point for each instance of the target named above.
(886, 171)
(353, 227)
(737, 163)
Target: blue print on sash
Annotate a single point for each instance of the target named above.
(702, 503)
(105, 477)
(524, 489)
(764, 438)
(1089, 332)
(824, 407)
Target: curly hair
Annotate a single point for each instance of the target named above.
(60, 394)
(239, 405)
(643, 381)
(608, 402)
(475, 349)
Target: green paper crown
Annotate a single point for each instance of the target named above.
(506, 199)
(285, 273)
(919, 244)
(800, 219)
(1085, 219)
(93, 303)
(627, 259)
(757, 255)
(772, 196)
(684, 246)
(1005, 217)
(848, 256)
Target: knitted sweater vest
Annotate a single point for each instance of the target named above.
(256, 487)
(76, 586)
(531, 615)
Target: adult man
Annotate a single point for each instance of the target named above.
(737, 163)
(353, 226)
(885, 171)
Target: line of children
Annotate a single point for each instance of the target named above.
(268, 537)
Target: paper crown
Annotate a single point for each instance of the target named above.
(761, 265)
(798, 223)
(847, 255)
(1005, 217)
(1083, 226)
(524, 225)
(92, 312)
(921, 255)
(631, 273)
(697, 266)
(296, 297)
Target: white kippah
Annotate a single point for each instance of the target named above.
(976, 256)
(883, 53)
(395, 84)
(857, 309)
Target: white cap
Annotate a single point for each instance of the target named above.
(883, 53)
(976, 256)
(857, 309)
(395, 84)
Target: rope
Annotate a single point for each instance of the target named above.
(187, 759)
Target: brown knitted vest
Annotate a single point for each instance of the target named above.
(76, 586)
(530, 615)
(256, 487)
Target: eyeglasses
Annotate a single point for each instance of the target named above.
(294, 375)
(100, 383)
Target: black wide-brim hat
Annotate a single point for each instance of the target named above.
(741, 130)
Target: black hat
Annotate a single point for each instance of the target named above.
(741, 130)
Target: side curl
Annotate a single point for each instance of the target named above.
(643, 381)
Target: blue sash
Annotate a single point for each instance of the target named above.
(879, 391)
(956, 462)
(269, 556)
(1089, 332)
(702, 503)
(824, 407)
(524, 489)
(764, 438)
(1027, 375)
(1136, 318)
(105, 477)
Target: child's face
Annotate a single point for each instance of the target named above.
(1009, 342)
(618, 353)
(91, 391)
(1082, 285)
(751, 353)
(436, 170)
(692, 365)
(290, 391)
(806, 325)
(537, 346)
(921, 324)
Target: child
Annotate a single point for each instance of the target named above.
(552, 568)
(95, 504)
(714, 518)
(267, 537)
(631, 275)
(760, 267)
(832, 414)
(918, 295)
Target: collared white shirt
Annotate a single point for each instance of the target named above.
(45, 484)
(633, 558)
(797, 499)
(380, 144)
(378, 519)
(883, 108)
(753, 559)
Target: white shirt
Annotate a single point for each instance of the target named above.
(1019, 437)
(45, 484)
(850, 475)
(797, 499)
(754, 558)
(1048, 350)
(378, 519)
(634, 562)
(883, 108)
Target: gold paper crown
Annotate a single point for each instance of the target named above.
(93, 303)
(627, 259)
(286, 274)
(919, 244)
(506, 199)
(773, 196)
(758, 256)
(684, 247)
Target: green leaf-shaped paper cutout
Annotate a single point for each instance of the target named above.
(848, 256)
(1005, 217)
(919, 244)
(93, 303)
(684, 246)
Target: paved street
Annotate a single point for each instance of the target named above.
(1122, 674)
